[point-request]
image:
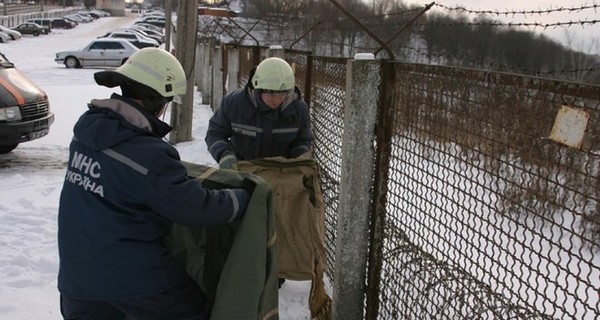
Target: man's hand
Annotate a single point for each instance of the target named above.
(228, 161)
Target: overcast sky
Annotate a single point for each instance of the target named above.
(584, 38)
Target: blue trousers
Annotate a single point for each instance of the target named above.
(185, 301)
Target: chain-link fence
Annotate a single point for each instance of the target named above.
(484, 216)
(487, 217)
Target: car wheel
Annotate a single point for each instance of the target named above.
(71, 62)
(7, 149)
(123, 61)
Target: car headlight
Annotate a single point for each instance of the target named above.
(10, 114)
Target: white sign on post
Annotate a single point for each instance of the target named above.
(569, 126)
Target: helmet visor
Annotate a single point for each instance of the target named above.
(279, 93)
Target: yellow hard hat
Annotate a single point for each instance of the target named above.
(152, 67)
(274, 74)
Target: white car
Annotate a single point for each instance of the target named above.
(135, 38)
(98, 53)
(143, 33)
(101, 13)
(4, 37)
(14, 34)
(78, 18)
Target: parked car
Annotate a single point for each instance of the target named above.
(101, 13)
(85, 16)
(136, 39)
(157, 21)
(46, 23)
(24, 109)
(61, 23)
(78, 18)
(107, 52)
(76, 23)
(148, 26)
(150, 32)
(30, 28)
(159, 39)
(153, 15)
(92, 14)
(4, 37)
(12, 33)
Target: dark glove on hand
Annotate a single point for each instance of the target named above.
(228, 161)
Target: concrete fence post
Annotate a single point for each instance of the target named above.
(217, 78)
(357, 172)
(233, 69)
(276, 51)
(202, 56)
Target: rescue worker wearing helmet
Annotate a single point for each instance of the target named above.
(124, 188)
(265, 118)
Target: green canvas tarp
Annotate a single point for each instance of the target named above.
(235, 263)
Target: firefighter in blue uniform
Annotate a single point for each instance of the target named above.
(124, 188)
(265, 118)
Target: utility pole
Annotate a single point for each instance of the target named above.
(185, 51)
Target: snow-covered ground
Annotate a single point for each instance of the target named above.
(31, 177)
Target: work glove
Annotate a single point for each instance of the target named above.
(228, 161)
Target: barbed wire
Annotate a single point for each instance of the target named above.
(582, 23)
(520, 12)
(273, 26)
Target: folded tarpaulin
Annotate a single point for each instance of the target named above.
(234, 263)
(299, 220)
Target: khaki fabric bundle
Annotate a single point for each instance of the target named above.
(299, 222)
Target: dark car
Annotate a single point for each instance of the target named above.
(157, 21)
(46, 23)
(24, 109)
(30, 28)
(61, 23)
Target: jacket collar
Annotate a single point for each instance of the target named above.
(134, 114)
(259, 104)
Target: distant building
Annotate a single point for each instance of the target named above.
(115, 7)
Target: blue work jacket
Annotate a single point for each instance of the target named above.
(247, 127)
(123, 189)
